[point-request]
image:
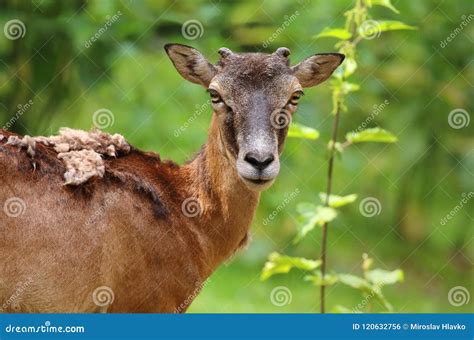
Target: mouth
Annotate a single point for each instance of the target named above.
(257, 178)
(258, 181)
(257, 184)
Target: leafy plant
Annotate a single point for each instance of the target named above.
(358, 26)
(369, 285)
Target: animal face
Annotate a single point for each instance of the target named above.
(254, 96)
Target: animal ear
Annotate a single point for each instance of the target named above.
(191, 64)
(317, 68)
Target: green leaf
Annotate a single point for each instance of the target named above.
(369, 289)
(301, 131)
(381, 277)
(325, 214)
(344, 87)
(338, 201)
(372, 28)
(384, 302)
(306, 219)
(317, 279)
(339, 148)
(367, 262)
(347, 87)
(349, 66)
(278, 264)
(384, 3)
(393, 25)
(306, 209)
(339, 33)
(366, 288)
(379, 296)
(355, 282)
(310, 216)
(371, 135)
(343, 310)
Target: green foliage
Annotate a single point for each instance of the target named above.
(278, 264)
(387, 25)
(342, 309)
(301, 131)
(317, 279)
(384, 277)
(310, 216)
(339, 33)
(358, 27)
(371, 135)
(369, 286)
(354, 282)
(338, 201)
(384, 3)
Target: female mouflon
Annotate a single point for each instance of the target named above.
(128, 232)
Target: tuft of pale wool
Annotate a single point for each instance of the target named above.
(26, 142)
(1, 137)
(95, 140)
(80, 151)
(81, 165)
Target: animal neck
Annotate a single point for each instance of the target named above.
(228, 206)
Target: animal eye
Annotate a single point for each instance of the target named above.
(295, 97)
(215, 96)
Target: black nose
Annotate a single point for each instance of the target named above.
(259, 162)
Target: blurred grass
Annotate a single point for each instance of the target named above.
(237, 289)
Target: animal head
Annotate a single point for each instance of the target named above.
(253, 96)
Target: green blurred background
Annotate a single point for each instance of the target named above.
(418, 180)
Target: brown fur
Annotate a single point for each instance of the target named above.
(142, 246)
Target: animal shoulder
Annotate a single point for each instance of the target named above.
(79, 157)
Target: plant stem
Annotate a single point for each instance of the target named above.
(358, 14)
(332, 149)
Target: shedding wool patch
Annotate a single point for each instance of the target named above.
(81, 152)
(81, 165)
(95, 140)
(26, 142)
